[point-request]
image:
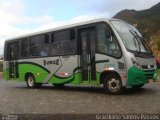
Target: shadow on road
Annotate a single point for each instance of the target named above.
(86, 89)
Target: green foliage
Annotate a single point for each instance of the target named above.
(148, 21)
(158, 45)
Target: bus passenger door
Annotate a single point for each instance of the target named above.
(87, 54)
(13, 70)
(13, 50)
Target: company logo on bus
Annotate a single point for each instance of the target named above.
(53, 62)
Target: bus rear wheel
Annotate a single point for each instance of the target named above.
(31, 83)
(112, 84)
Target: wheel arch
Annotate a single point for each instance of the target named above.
(106, 73)
(27, 74)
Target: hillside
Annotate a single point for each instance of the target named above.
(148, 22)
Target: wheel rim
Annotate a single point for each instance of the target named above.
(114, 85)
(30, 81)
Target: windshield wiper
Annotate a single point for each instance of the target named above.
(143, 42)
(137, 38)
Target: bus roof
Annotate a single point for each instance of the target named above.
(70, 25)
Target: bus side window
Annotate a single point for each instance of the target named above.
(24, 47)
(107, 41)
(101, 39)
(39, 45)
(63, 42)
(114, 48)
(13, 51)
(73, 40)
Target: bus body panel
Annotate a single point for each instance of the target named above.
(139, 77)
(147, 72)
(6, 70)
(107, 63)
(66, 72)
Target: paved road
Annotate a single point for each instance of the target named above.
(16, 98)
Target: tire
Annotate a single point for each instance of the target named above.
(112, 84)
(31, 82)
(137, 86)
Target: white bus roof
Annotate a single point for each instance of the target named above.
(61, 27)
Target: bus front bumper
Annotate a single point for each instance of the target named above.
(138, 77)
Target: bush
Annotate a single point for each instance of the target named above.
(158, 44)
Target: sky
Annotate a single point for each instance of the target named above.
(19, 17)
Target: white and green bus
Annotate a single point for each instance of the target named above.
(98, 52)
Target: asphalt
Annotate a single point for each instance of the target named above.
(16, 98)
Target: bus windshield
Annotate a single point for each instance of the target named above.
(131, 37)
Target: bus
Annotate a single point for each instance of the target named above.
(101, 52)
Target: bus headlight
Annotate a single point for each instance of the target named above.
(136, 64)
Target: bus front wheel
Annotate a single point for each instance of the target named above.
(31, 83)
(112, 84)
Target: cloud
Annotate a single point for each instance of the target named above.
(12, 14)
(10, 20)
(12, 6)
(15, 20)
(9, 9)
(74, 20)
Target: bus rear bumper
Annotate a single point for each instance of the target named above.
(139, 77)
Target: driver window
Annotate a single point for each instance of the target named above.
(107, 41)
(113, 46)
